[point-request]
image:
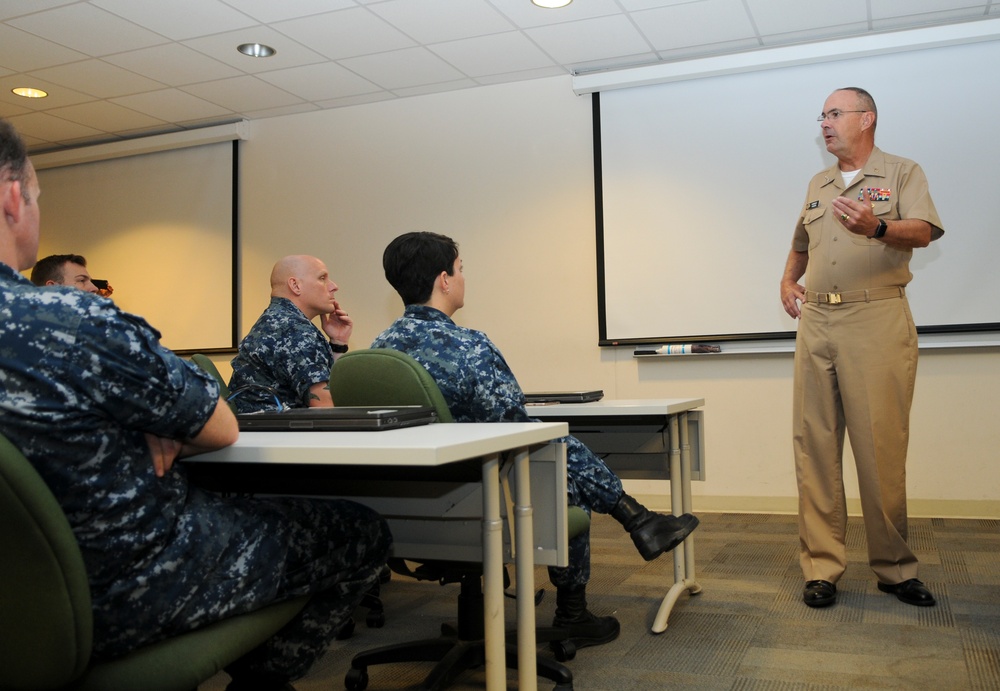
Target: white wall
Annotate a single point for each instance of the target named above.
(507, 171)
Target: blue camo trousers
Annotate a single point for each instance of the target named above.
(593, 487)
(262, 551)
(333, 550)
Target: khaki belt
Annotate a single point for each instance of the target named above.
(856, 295)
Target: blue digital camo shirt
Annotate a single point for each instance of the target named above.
(479, 386)
(80, 381)
(284, 351)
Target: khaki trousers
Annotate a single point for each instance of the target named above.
(855, 368)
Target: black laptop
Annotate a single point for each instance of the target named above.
(337, 419)
(540, 397)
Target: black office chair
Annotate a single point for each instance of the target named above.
(385, 377)
(46, 621)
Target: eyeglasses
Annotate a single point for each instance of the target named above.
(835, 114)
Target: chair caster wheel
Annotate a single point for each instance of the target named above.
(356, 679)
(375, 620)
(564, 650)
(563, 687)
(346, 631)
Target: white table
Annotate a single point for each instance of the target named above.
(431, 447)
(607, 415)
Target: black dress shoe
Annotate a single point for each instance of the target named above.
(819, 593)
(912, 592)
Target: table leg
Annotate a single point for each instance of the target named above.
(524, 560)
(680, 502)
(496, 668)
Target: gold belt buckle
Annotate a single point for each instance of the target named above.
(833, 298)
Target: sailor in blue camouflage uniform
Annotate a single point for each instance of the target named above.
(478, 385)
(284, 361)
(102, 410)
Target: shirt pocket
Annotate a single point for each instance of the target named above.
(811, 222)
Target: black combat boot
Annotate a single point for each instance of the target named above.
(585, 629)
(652, 533)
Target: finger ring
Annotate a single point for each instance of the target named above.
(844, 216)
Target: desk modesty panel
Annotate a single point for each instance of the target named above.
(632, 435)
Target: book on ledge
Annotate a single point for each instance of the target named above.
(543, 397)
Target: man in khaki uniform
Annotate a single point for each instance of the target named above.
(856, 348)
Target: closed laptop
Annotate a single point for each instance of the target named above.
(537, 397)
(340, 418)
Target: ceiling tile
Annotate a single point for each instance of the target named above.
(496, 54)
(50, 128)
(525, 15)
(179, 19)
(107, 117)
(435, 21)
(345, 33)
(883, 9)
(173, 64)
(522, 75)
(242, 93)
(815, 34)
(269, 11)
(786, 16)
(97, 78)
(912, 21)
(401, 69)
(695, 24)
(357, 100)
(15, 8)
(633, 5)
(22, 51)
(441, 87)
(87, 29)
(589, 39)
(172, 105)
(284, 110)
(320, 82)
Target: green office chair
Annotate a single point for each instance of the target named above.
(46, 623)
(206, 364)
(386, 377)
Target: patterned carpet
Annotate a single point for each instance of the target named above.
(748, 629)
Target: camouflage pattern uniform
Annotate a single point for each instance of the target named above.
(80, 382)
(479, 386)
(285, 352)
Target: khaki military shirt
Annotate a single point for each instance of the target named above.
(840, 260)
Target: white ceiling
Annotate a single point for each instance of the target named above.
(124, 68)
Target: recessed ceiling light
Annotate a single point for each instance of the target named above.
(28, 92)
(256, 50)
(551, 4)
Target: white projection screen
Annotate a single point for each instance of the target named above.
(701, 182)
(161, 228)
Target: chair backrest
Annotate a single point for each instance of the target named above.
(204, 362)
(46, 624)
(385, 377)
